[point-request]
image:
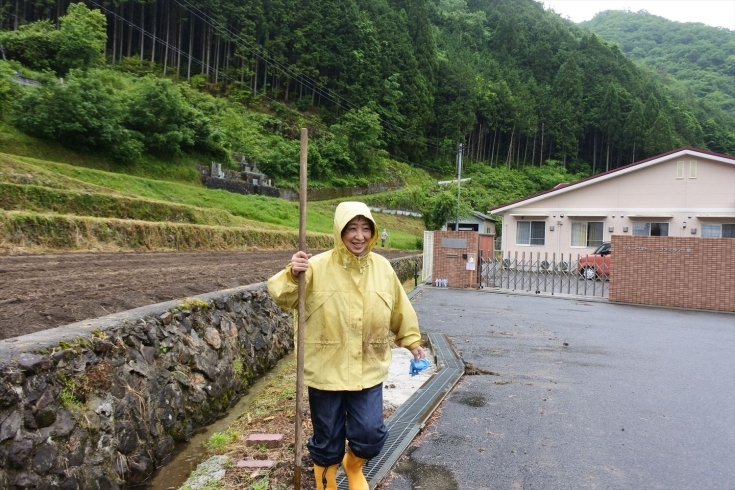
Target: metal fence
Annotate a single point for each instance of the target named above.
(546, 274)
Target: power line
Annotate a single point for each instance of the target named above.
(225, 76)
(267, 57)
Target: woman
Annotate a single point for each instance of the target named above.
(355, 306)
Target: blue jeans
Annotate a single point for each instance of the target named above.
(353, 415)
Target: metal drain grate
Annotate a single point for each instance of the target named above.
(406, 422)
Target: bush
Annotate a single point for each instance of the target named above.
(303, 103)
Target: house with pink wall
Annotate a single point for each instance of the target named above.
(684, 193)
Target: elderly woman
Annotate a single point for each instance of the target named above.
(355, 306)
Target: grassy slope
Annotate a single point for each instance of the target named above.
(50, 179)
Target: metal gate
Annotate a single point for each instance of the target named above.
(547, 274)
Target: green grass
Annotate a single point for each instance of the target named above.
(45, 188)
(219, 440)
(14, 142)
(256, 208)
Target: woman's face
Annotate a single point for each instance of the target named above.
(357, 234)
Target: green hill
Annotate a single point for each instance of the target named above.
(699, 56)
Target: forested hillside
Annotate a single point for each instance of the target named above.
(516, 85)
(701, 56)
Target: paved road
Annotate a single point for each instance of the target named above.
(578, 395)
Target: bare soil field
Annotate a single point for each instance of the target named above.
(38, 292)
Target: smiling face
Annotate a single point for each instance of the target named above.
(356, 235)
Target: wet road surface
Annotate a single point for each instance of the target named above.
(578, 395)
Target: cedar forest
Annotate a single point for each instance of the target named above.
(406, 80)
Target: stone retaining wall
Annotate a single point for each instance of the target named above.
(100, 404)
(326, 193)
(240, 187)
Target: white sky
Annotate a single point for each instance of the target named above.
(718, 13)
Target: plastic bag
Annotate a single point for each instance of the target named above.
(418, 366)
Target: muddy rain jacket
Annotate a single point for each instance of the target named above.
(354, 308)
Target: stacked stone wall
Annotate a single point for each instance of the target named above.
(240, 187)
(102, 403)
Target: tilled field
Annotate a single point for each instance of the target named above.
(38, 292)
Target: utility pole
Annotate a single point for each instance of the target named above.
(459, 178)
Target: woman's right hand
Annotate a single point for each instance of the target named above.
(299, 263)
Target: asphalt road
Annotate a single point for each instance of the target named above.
(578, 395)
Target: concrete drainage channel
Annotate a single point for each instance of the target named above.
(407, 421)
(403, 425)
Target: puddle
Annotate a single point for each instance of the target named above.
(472, 399)
(425, 476)
(188, 455)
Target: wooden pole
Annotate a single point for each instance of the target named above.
(298, 444)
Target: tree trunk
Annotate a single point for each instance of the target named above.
(114, 34)
(178, 43)
(633, 151)
(533, 147)
(265, 74)
(594, 152)
(492, 148)
(168, 40)
(216, 60)
(142, 32)
(153, 39)
(130, 29)
(497, 150)
(208, 59)
(191, 49)
(541, 149)
(510, 147)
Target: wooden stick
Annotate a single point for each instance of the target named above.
(298, 444)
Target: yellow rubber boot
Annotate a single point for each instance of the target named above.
(353, 469)
(326, 478)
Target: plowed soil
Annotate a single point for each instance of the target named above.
(38, 292)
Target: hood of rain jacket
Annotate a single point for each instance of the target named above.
(355, 307)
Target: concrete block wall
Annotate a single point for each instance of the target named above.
(449, 262)
(687, 272)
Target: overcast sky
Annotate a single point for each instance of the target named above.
(718, 13)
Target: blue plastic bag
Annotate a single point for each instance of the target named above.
(418, 366)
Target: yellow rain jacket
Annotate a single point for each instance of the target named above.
(354, 307)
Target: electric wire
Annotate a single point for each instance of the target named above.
(286, 69)
(202, 63)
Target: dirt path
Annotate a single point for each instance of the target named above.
(38, 292)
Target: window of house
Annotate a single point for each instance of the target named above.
(650, 229)
(587, 234)
(693, 169)
(718, 230)
(679, 170)
(531, 233)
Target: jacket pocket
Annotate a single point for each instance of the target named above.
(323, 319)
(315, 301)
